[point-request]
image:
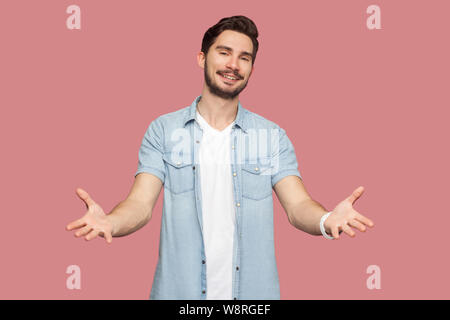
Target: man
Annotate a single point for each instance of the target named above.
(218, 163)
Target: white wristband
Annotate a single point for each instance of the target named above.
(322, 228)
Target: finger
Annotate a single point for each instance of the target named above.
(335, 232)
(364, 220)
(358, 225)
(91, 235)
(83, 195)
(76, 224)
(83, 231)
(348, 230)
(356, 194)
(107, 236)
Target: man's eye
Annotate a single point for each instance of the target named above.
(223, 53)
(245, 59)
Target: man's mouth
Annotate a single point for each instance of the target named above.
(229, 77)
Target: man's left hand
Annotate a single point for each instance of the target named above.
(343, 217)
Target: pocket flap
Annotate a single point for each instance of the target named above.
(259, 167)
(177, 160)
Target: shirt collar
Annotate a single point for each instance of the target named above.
(239, 121)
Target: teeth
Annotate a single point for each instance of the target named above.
(228, 77)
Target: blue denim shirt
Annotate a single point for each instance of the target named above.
(261, 155)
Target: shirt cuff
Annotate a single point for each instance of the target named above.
(153, 171)
(288, 172)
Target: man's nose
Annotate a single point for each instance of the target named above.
(233, 63)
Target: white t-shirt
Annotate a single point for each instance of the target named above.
(217, 209)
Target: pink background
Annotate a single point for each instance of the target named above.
(361, 107)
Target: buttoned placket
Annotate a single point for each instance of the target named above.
(238, 210)
(197, 133)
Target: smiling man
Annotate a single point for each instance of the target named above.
(218, 163)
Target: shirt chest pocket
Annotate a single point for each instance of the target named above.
(179, 173)
(256, 181)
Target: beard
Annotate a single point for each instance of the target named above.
(217, 91)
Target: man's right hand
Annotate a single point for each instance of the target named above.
(94, 223)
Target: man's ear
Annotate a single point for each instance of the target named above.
(201, 59)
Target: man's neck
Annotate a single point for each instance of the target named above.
(218, 112)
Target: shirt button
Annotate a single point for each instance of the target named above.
(234, 174)
(197, 141)
(203, 291)
(238, 204)
(193, 168)
(203, 261)
(235, 298)
(232, 147)
(237, 268)
(256, 169)
(178, 163)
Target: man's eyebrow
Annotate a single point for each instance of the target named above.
(231, 50)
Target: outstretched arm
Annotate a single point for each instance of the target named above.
(127, 217)
(304, 213)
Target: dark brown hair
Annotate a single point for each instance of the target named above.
(240, 24)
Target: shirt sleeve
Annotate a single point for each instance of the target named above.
(151, 151)
(284, 161)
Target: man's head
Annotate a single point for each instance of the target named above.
(229, 50)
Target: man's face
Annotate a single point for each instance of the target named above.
(229, 56)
